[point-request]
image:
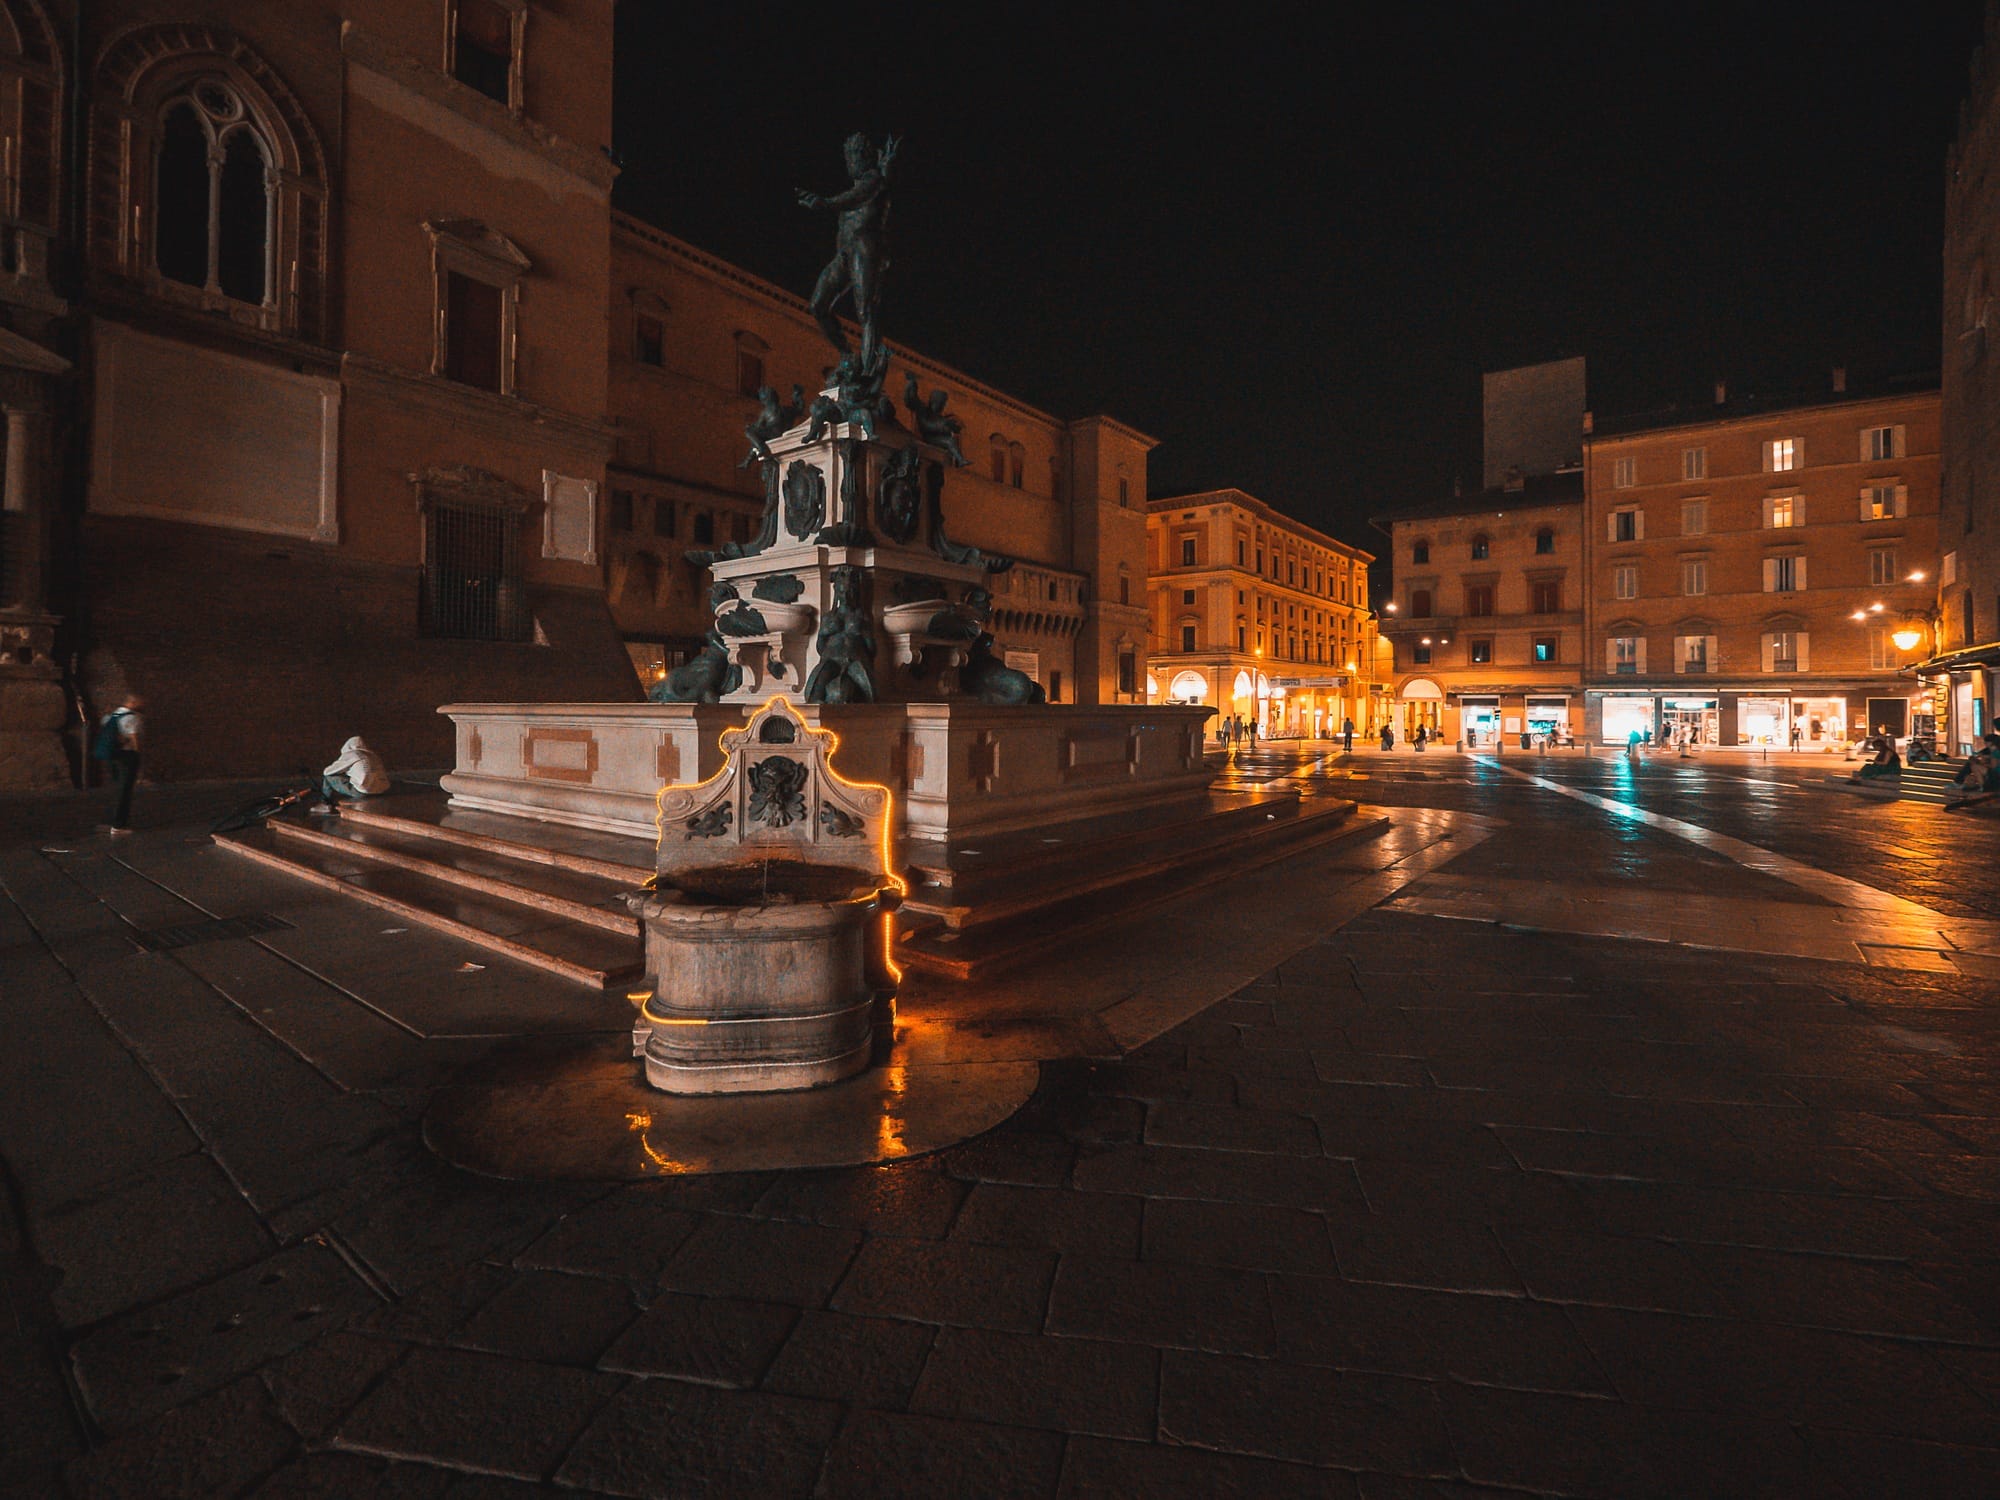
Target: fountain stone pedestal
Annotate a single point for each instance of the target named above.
(767, 928)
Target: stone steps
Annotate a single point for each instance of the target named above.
(505, 907)
(1929, 782)
(1044, 919)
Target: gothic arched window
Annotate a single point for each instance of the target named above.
(215, 194)
(207, 182)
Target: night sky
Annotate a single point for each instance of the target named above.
(1286, 242)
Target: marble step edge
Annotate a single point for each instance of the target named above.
(490, 843)
(598, 978)
(620, 922)
(1003, 950)
(923, 857)
(1226, 838)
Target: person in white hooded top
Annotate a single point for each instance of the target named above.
(356, 772)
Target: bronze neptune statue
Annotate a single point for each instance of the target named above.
(859, 255)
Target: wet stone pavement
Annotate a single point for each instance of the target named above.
(1429, 1208)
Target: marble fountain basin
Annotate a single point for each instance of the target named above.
(765, 975)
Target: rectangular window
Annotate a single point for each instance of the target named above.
(1883, 502)
(1241, 631)
(621, 510)
(1187, 551)
(750, 373)
(1625, 654)
(472, 321)
(1187, 596)
(1482, 653)
(482, 55)
(1781, 455)
(1420, 604)
(1625, 582)
(1785, 651)
(1626, 526)
(1240, 547)
(1055, 686)
(1694, 463)
(1420, 552)
(1882, 565)
(1187, 637)
(1128, 672)
(1882, 653)
(1879, 443)
(704, 529)
(471, 578)
(1784, 575)
(1421, 654)
(663, 516)
(1479, 599)
(1545, 649)
(1694, 517)
(1547, 596)
(1691, 653)
(1624, 472)
(1694, 575)
(1545, 542)
(1781, 511)
(649, 341)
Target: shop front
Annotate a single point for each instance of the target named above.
(1691, 721)
(1419, 702)
(1763, 721)
(1818, 723)
(1625, 717)
(1548, 717)
(1479, 721)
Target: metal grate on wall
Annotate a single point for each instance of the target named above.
(472, 585)
(215, 930)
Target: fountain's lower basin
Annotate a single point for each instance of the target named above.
(765, 976)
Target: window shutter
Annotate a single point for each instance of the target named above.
(1804, 648)
(1714, 661)
(1611, 527)
(1865, 454)
(1798, 510)
(1770, 575)
(1866, 509)
(1640, 645)
(1902, 490)
(1767, 512)
(1639, 525)
(1799, 573)
(1898, 450)
(1770, 646)
(1798, 453)
(1611, 655)
(1769, 450)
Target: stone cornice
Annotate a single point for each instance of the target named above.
(363, 50)
(505, 417)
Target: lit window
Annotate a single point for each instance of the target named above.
(1882, 502)
(1781, 511)
(1694, 517)
(1625, 582)
(1694, 463)
(1781, 455)
(1694, 575)
(1624, 472)
(1545, 649)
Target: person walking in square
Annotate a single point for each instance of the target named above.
(119, 737)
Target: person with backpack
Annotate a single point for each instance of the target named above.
(117, 745)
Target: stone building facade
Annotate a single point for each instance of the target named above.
(1259, 616)
(1486, 621)
(692, 340)
(331, 278)
(1747, 568)
(1963, 669)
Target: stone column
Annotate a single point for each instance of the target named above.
(32, 706)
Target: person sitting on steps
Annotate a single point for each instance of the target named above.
(355, 773)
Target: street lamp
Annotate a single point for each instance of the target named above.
(1906, 635)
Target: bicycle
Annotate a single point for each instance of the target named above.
(261, 809)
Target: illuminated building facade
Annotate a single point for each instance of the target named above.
(1750, 569)
(1259, 616)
